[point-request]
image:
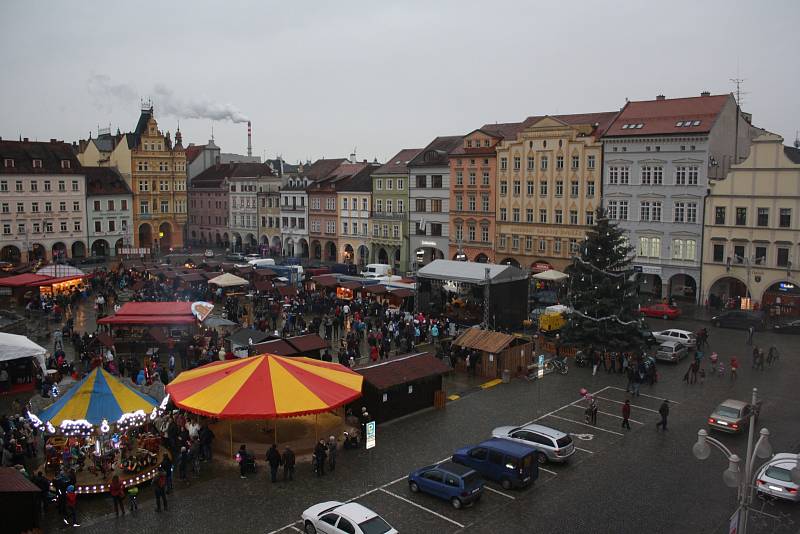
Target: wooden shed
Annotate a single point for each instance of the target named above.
(496, 351)
(20, 502)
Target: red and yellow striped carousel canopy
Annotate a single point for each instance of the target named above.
(265, 387)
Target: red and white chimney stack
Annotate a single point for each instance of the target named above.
(249, 139)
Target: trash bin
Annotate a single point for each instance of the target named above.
(506, 376)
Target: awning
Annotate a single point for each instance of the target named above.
(402, 293)
(287, 291)
(551, 275)
(307, 343)
(265, 387)
(403, 370)
(228, 280)
(471, 272)
(264, 273)
(13, 346)
(376, 289)
(351, 285)
(483, 340)
(214, 321)
(22, 280)
(275, 346)
(326, 280)
(154, 313)
(243, 336)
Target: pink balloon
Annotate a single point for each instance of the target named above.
(583, 392)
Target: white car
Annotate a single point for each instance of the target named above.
(689, 339)
(334, 517)
(775, 477)
(208, 253)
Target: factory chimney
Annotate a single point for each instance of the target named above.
(249, 140)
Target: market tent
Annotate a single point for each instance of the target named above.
(214, 321)
(470, 272)
(228, 280)
(13, 347)
(61, 271)
(154, 313)
(551, 275)
(99, 396)
(265, 387)
(21, 280)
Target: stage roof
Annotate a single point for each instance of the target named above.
(470, 272)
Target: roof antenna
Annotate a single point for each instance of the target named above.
(212, 131)
(797, 139)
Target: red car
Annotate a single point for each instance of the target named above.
(663, 311)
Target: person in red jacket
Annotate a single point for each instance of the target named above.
(117, 491)
(626, 414)
(734, 367)
(72, 507)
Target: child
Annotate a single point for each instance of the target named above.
(714, 359)
(133, 493)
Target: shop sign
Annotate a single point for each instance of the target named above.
(785, 286)
(370, 434)
(540, 267)
(427, 243)
(648, 269)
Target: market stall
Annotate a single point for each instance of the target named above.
(20, 357)
(100, 428)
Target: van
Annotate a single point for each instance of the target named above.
(376, 270)
(512, 464)
(261, 263)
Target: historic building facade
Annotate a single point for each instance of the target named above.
(548, 187)
(244, 183)
(752, 231)
(658, 158)
(109, 204)
(209, 195)
(42, 202)
(354, 197)
(389, 237)
(429, 200)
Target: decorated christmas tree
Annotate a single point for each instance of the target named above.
(602, 291)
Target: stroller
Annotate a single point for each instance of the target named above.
(580, 359)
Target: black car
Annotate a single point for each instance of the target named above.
(791, 327)
(740, 319)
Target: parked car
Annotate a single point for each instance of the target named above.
(663, 311)
(333, 517)
(511, 464)
(672, 351)
(208, 253)
(791, 327)
(649, 339)
(689, 339)
(6, 266)
(740, 319)
(457, 484)
(732, 416)
(236, 257)
(552, 445)
(775, 477)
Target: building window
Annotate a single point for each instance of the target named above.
(165, 206)
(485, 178)
(559, 217)
(459, 232)
(517, 188)
(529, 215)
(502, 243)
(471, 178)
(420, 205)
(574, 189)
(62, 206)
(762, 216)
(590, 189)
(3, 186)
(484, 233)
(590, 162)
(459, 178)
(515, 215)
(48, 227)
(761, 255)
(542, 245)
(684, 249)
(573, 216)
(503, 214)
(389, 184)
(589, 218)
(543, 216)
(62, 186)
(144, 206)
(741, 216)
(48, 207)
(344, 203)
(470, 202)
(436, 204)
(528, 242)
(529, 187)
(98, 226)
(515, 242)
(503, 188)
(6, 208)
(34, 207)
(543, 188)
(719, 215)
(421, 181)
(344, 227)
(531, 163)
(485, 203)
(559, 188)
(503, 163)
(401, 184)
(719, 253)
(459, 203)
(436, 229)
(785, 218)
(471, 233)
(20, 207)
(543, 163)
(517, 163)
(559, 162)
(395, 231)
(650, 247)
(782, 259)
(575, 162)
(557, 246)
(96, 205)
(436, 181)
(6, 228)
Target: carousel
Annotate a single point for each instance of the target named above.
(100, 428)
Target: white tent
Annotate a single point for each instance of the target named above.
(13, 347)
(60, 271)
(551, 275)
(228, 280)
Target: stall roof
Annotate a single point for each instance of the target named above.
(61, 271)
(164, 313)
(263, 285)
(193, 277)
(484, 340)
(470, 272)
(245, 270)
(403, 370)
(376, 289)
(264, 273)
(287, 291)
(307, 343)
(21, 280)
(50, 281)
(402, 292)
(13, 346)
(275, 346)
(351, 285)
(228, 280)
(243, 336)
(12, 481)
(326, 280)
(210, 274)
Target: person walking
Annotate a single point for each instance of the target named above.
(750, 332)
(663, 411)
(288, 460)
(755, 356)
(332, 453)
(160, 485)
(319, 457)
(694, 368)
(71, 512)
(118, 495)
(760, 360)
(772, 355)
(593, 408)
(626, 414)
(274, 461)
(734, 368)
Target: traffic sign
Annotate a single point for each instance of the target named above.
(370, 434)
(540, 372)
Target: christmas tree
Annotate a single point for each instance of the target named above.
(602, 292)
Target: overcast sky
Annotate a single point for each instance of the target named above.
(320, 78)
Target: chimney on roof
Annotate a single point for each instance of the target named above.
(249, 140)
(25, 139)
(661, 97)
(705, 93)
(52, 140)
(216, 162)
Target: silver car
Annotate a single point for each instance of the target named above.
(552, 445)
(671, 351)
(775, 477)
(676, 334)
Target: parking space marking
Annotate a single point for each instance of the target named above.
(645, 395)
(632, 405)
(295, 528)
(609, 414)
(586, 424)
(291, 526)
(562, 407)
(548, 471)
(489, 488)
(437, 514)
(583, 450)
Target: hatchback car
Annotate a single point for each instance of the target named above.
(775, 477)
(732, 416)
(663, 311)
(671, 351)
(740, 319)
(458, 484)
(551, 445)
(689, 339)
(208, 253)
(334, 517)
(791, 327)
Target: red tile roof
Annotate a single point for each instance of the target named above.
(105, 181)
(398, 164)
(403, 370)
(193, 151)
(661, 117)
(307, 343)
(12, 481)
(275, 346)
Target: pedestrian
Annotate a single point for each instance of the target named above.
(702, 376)
(750, 332)
(160, 485)
(714, 360)
(695, 367)
(734, 368)
(319, 457)
(760, 360)
(772, 355)
(183, 463)
(332, 453)
(166, 465)
(626, 414)
(593, 409)
(663, 410)
(288, 460)
(133, 498)
(274, 461)
(595, 362)
(118, 495)
(71, 501)
(242, 457)
(755, 356)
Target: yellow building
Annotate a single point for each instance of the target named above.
(750, 249)
(155, 170)
(548, 187)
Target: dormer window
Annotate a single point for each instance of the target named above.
(37, 164)
(469, 143)
(65, 164)
(8, 163)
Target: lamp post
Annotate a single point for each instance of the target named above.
(733, 476)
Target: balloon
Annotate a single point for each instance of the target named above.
(583, 392)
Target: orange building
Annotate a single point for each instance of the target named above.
(473, 180)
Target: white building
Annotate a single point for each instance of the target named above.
(108, 203)
(243, 201)
(42, 201)
(294, 216)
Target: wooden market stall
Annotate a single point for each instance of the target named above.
(495, 352)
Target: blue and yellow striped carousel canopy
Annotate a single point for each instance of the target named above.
(99, 396)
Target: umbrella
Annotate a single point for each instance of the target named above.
(98, 397)
(265, 387)
(551, 275)
(228, 280)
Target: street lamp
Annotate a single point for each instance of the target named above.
(733, 475)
